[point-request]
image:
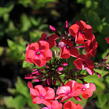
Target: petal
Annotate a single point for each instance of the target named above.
(48, 54)
(92, 87)
(45, 108)
(34, 92)
(43, 36)
(83, 23)
(56, 105)
(107, 40)
(70, 83)
(30, 55)
(65, 53)
(78, 106)
(90, 71)
(40, 62)
(33, 46)
(69, 105)
(78, 63)
(63, 90)
(43, 45)
(80, 38)
(73, 29)
(41, 90)
(88, 34)
(30, 85)
(74, 52)
(38, 100)
(50, 94)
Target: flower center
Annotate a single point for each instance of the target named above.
(38, 53)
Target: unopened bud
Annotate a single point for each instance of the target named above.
(66, 24)
(61, 44)
(60, 69)
(36, 80)
(52, 28)
(65, 64)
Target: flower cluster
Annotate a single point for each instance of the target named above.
(60, 57)
(47, 96)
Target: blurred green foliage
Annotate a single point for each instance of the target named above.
(23, 21)
(21, 97)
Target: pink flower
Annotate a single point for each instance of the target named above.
(88, 90)
(54, 105)
(81, 32)
(67, 49)
(41, 95)
(107, 40)
(91, 46)
(84, 63)
(69, 90)
(38, 53)
(72, 105)
(50, 39)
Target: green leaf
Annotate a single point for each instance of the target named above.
(18, 102)
(102, 99)
(10, 43)
(9, 101)
(21, 88)
(105, 53)
(96, 80)
(5, 10)
(12, 91)
(26, 24)
(1, 50)
(101, 71)
(15, 50)
(88, 3)
(25, 2)
(27, 65)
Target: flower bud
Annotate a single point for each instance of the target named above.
(52, 28)
(65, 64)
(60, 68)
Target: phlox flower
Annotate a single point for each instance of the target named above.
(54, 105)
(41, 95)
(78, 42)
(88, 90)
(107, 40)
(91, 46)
(67, 49)
(38, 53)
(69, 90)
(81, 32)
(84, 63)
(72, 105)
(50, 39)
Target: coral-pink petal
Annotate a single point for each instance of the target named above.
(34, 92)
(43, 45)
(50, 94)
(65, 53)
(73, 30)
(48, 54)
(30, 85)
(40, 63)
(41, 90)
(34, 46)
(63, 89)
(56, 105)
